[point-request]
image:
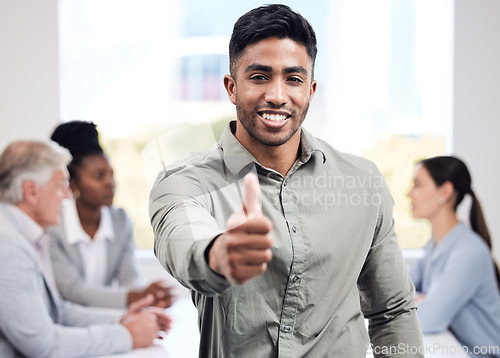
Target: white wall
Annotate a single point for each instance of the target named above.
(29, 73)
(476, 134)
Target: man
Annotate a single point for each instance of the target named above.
(298, 276)
(34, 320)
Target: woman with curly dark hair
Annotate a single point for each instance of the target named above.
(93, 247)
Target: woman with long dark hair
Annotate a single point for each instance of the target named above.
(457, 281)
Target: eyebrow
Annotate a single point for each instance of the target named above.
(286, 70)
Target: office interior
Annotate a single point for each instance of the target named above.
(30, 86)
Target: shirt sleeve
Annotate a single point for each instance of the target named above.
(80, 316)
(452, 288)
(128, 272)
(387, 293)
(184, 229)
(71, 284)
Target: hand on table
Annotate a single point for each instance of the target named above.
(244, 250)
(145, 322)
(162, 294)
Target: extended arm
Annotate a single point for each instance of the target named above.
(238, 254)
(184, 229)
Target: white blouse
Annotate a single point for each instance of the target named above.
(93, 251)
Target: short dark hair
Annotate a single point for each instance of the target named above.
(270, 21)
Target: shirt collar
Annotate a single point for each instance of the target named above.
(74, 230)
(238, 159)
(448, 241)
(310, 145)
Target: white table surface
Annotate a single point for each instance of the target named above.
(183, 340)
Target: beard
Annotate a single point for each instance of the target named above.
(268, 136)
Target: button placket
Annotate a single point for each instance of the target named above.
(291, 298)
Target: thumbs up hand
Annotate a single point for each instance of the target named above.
(244, 250)
(251, 203)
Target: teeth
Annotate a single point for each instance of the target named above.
(274, 117)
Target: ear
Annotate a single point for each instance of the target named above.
(75, 192)
(446, 191)
(72, 185)
(230, 85)
(30, 192)
(312, 90)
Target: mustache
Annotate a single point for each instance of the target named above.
(272, 106)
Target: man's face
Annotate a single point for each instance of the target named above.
(272, 92)
(47, 210)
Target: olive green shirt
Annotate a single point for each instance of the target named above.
(336, 259)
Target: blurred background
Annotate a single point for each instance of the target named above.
(398, 81)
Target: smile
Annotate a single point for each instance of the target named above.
(274, 120)
(274, 117)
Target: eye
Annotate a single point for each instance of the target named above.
(258, 78)
(295, 79)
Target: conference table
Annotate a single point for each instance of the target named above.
(183, 339)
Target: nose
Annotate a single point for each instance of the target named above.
(277, 93)
(410, 193)
(111, 182)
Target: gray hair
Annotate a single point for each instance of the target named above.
(25, 161)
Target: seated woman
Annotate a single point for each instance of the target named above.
(93, 246)
(457, 280)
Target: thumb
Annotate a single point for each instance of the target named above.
(251, 200)
(140, 304)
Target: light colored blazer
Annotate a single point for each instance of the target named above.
(121, 266)
(36, 323)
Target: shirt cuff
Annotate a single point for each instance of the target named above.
(216, 282)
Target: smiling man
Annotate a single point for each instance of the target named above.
(292, 267)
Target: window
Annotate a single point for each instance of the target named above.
(149, 72)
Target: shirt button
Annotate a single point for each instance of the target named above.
(286, 329)
(285, 182)
(294, 228)
(295, 279)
